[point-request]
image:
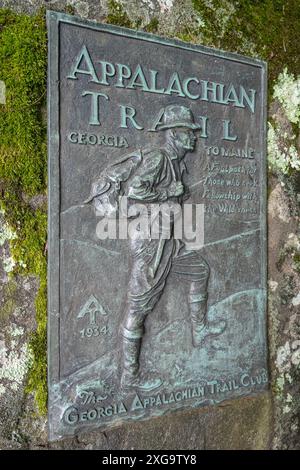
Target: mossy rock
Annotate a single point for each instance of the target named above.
(23, 156)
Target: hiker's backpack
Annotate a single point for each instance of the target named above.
(109, 186)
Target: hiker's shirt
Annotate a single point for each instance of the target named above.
(159, 169)
(153, 178)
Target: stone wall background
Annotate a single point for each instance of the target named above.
(270, 421)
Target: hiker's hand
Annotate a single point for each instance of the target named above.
(176, 188)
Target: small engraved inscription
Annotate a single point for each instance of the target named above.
(83, 138)
(92, 331)
(213, 388)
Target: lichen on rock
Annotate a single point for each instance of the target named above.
(283, 155)
(81, 7)
(283, 151)
(14, 364)
(287, 91)
(6, 232)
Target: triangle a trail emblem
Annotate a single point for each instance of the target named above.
(92, 307)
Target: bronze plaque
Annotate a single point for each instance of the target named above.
(157, 226)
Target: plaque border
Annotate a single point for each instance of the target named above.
(54, 20)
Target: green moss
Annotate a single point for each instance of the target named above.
(269, 29)
(152, 26)
(296, 261)
(70, 9)
(23, 60)
(37, 379)
(8, 305)
(117, 15)
(22, 68)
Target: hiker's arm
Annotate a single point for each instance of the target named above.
(143, 186)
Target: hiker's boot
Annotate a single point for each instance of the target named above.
(131, 377)
(201, 328)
